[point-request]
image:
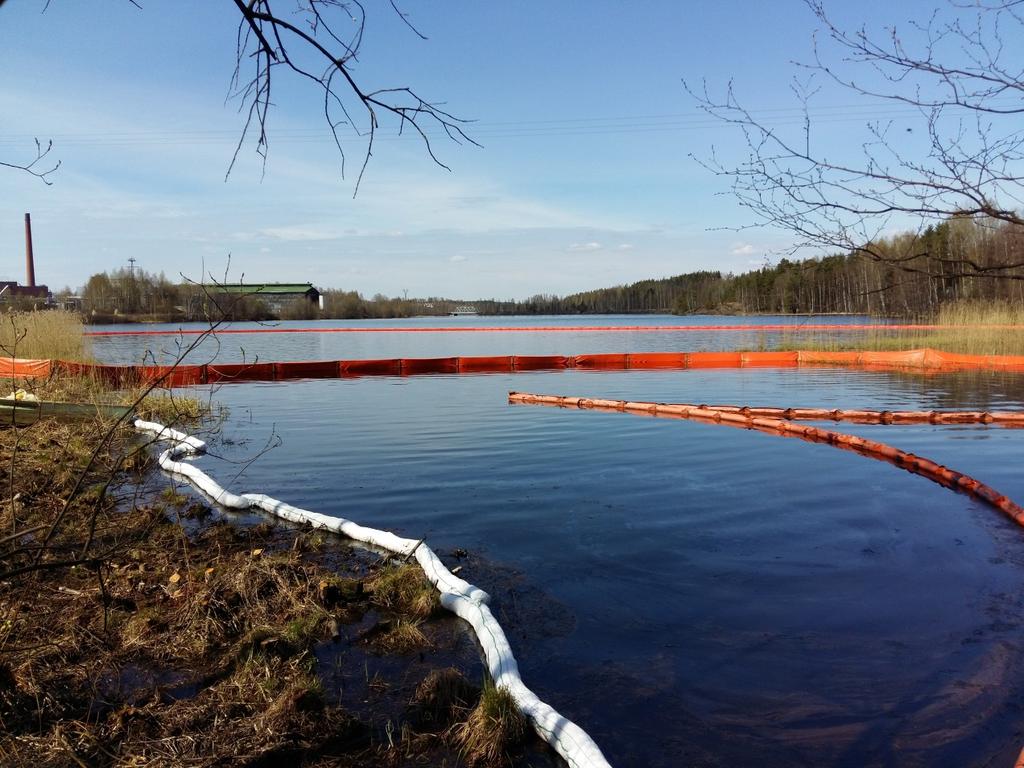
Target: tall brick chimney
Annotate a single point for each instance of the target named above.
(30, 266)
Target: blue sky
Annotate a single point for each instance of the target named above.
(584, 178)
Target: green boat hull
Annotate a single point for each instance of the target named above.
(24, 412)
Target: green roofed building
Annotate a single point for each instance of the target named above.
(276, 296)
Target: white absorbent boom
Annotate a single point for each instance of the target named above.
(457, 595)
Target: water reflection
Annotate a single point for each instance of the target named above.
(732, 598)
(331, 346)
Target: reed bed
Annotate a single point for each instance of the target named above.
(972, 327)
(44, 335)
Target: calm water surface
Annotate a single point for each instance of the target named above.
(341, 346)
(697, 594)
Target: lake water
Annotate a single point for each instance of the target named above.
(417, 342)
(690, 594)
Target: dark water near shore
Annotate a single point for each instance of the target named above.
(690, 594)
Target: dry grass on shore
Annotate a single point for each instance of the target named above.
(494, 730)
(44, 335)
(972, 328)
(968, 313)
(140, 627)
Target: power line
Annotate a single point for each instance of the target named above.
(581, 126)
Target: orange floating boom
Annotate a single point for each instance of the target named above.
(872, 449)
(922, 360)
(816, 327)
(20, 368)
(1009, 418)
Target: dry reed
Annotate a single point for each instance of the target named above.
(44, 335)
(969, 327)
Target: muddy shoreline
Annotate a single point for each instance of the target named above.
(190, 635)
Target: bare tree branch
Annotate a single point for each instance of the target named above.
(319, 41)
(962, 158)
(309, 43)
(40, 166)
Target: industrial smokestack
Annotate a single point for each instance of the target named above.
(30, 265)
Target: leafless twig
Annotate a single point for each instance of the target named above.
(959, 154)
(41, 166)
(309, 43)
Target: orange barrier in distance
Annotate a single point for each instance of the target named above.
(316, 369)
(561, 329)
(541, 362)
(607, 361)
(872, 449)
(413, 366)
(487, 364)
(913, 358)
(389, 367)
(923, 360)
(172, 376)
(769, 359)
(715, 360)
(240, 372)
(656, 360)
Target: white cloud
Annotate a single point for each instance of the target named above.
(457, 258)
(425, 203)
(591, 246)
(743, 249)
(625, 247)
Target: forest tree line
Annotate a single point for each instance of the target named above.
(919, 278)
(920, 273)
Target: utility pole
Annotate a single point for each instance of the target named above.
(129, 293)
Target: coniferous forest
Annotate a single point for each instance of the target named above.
(906, 275)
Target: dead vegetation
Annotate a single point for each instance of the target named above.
(139, 626)
(444, 698)
(402, 636)
(44, 335)
(199, 652)
(495, 730)
(404, 588)
(967, 327)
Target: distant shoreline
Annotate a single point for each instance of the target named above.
(154, 320)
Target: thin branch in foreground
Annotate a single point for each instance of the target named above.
(317, 51)
(40, 166)
(959, 153)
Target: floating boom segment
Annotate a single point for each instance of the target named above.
(922, 360)
(918, 465)
(860, 416)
